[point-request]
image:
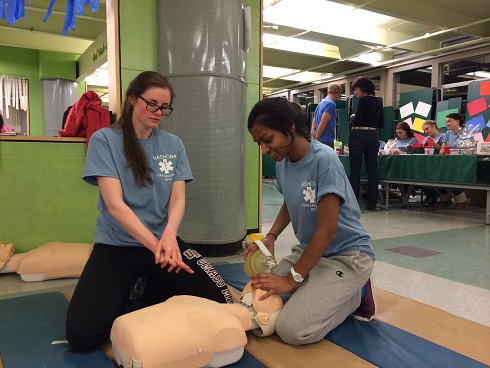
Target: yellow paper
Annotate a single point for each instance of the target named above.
(417, 125)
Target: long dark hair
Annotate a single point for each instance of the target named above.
(404, 126)
(277, 113)
(135, 157)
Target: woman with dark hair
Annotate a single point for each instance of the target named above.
(404, 135)
(454, 122)
(326, 277)
(364, 139)
(141, 173)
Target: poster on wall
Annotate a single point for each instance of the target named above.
(478, 109)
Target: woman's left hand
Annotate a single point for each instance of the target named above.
(272, 284)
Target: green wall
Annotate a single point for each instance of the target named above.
(253, 176)
(43, 197)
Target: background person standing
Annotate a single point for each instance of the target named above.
(325, 119)
(364, 139)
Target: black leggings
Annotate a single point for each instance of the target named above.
(104, 286)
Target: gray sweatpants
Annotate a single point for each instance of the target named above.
(327, 296)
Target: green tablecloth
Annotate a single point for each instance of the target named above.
(462, 169)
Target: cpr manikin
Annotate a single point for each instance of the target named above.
(188, 331)
(262, 313)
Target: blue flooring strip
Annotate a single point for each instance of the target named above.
(379, 343)
(386, 346)
(29, 324)
(233, 274)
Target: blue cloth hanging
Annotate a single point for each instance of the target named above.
(73, 8)
(49, 11)
(3, 14)
(15, 11)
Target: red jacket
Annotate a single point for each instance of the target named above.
(85, 117)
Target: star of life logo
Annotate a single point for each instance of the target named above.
(309, 194)
(166, 166)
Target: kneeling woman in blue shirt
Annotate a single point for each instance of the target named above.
(141, 173)
(324, 278)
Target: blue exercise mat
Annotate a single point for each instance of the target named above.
(386, 346)
(233, 274)
(376, 342)
(29, 325)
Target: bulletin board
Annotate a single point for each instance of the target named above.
(477, 109)
(415, 108)
(444, 108)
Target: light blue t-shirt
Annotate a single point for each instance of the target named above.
(403, 142)
(303, 183)
(451, 138)
(326, 105)
(165, 154)
(439, 139)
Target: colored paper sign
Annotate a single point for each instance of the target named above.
(441, 117)
(409, 122)
(417, 125)
(476, 124)
(423, 109)
(484, 88)
(406, 110)
(477, 106)
(420, 138)
(478, 137)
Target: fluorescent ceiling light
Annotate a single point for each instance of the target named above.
(480, 74)
(372, 58)
(300, 46)
(274, 72)
(100, 77)
(342, 19)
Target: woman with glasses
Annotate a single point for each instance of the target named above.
(141, 173)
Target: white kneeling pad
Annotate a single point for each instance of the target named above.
(263, 313)
(184, 331)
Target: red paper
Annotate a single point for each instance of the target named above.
(484, 88)
(477, 106)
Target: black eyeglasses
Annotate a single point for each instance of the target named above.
(153, 107)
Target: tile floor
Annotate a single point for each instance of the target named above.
(438, 257)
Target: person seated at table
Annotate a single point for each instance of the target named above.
(454, 122)
(404, 135)
(434, 138)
